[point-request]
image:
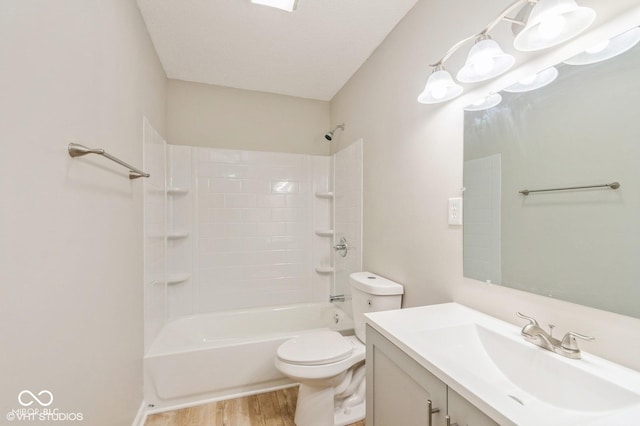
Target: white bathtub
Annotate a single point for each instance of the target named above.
(215, 356)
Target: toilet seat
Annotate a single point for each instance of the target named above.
(329, 366)
(322, 362)
(318, 348)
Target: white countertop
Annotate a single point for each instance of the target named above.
(553, 390)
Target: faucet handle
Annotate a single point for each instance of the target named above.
(569, 340)
(532, 321)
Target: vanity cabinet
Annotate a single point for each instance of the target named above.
(400, 391)
(463, 413)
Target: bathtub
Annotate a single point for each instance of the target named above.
(226, 354)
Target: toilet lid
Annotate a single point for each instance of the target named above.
(322, 347)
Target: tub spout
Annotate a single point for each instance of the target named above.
(337, 298)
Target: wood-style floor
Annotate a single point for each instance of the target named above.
(266, 409)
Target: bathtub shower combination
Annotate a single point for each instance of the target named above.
(210, 356)
(238, 260)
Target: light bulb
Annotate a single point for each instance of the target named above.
(485, 60)
(440, 87)
(551, 27)
(598, 47)
(438, 92)
(483, 65)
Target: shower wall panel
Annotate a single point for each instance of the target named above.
(254, 228)
(180, 226)
(155, 233)
(348, 215)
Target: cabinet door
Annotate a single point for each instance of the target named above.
(463, 413)
(398, 388)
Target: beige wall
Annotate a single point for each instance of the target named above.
(71, 229)
(413, 163)
(223, 117)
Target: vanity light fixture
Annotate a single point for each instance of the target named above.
(490, 101)
(535, 81)
(486, 60)
(607, 49)
(538, 24)
(287, 5)
(552, 22)
(440, 87)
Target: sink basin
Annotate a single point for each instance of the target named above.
(489, 363)
(525, 371)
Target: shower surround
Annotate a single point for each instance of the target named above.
(250, 231)
(239, 234)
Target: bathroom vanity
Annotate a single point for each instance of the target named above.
(404, 392)
(448, 364)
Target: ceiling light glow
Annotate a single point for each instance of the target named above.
(287, 5)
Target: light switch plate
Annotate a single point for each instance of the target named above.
(455, 211)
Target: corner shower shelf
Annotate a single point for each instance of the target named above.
(324, 232)
(177, 191)
(176, 235)
(324, 194)
(324, 269)
(177, 278)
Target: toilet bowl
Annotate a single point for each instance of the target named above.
(324, 363)
(330, 366)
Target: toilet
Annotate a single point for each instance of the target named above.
(330, 366)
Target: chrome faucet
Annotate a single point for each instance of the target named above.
(337, 298)
(567, 347)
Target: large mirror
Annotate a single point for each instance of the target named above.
(578, 245)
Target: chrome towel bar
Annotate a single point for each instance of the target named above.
(612, 185)
(77, 150)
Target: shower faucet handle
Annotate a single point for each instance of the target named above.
(342, 247)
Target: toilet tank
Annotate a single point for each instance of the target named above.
(372, 293)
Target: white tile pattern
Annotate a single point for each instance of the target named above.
(254, 229)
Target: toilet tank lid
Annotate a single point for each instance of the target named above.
(375, 284)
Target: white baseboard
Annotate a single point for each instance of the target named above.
(141, 415)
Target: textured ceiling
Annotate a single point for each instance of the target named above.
(310, 53)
